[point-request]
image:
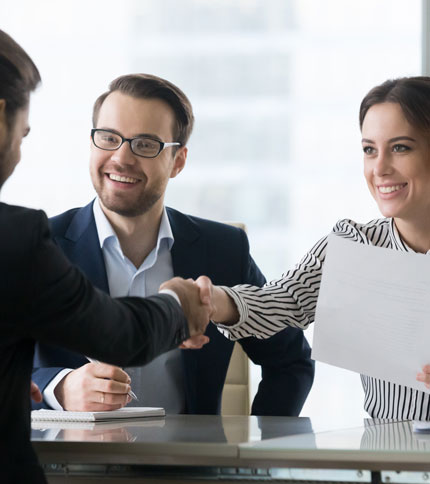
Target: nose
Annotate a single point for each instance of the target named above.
(123, 155)
(383, 164)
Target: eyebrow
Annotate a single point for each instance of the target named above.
(139, 135)
(392, 140)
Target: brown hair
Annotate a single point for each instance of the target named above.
(18, 75)
(411, 93)
(148, 86)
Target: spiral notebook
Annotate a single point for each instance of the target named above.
(122, 413)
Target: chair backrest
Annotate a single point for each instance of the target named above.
(235, 395)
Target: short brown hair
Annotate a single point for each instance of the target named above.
(411, 93)
(18, 75)
(148, 86)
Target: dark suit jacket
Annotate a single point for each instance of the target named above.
(221, 252)
(43, 297)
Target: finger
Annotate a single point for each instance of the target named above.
(111, 399)
(35, 393)
(195, 342)
(103, 370)
(426, 368)
(424, 377)
(169, 284)
(111, 386)
(100, 407)
(205, 287)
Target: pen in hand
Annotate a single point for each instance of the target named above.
(131, 393)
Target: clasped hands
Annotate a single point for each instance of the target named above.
(197, 303)
(102, 387)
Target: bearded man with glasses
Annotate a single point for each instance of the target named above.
(128, 243)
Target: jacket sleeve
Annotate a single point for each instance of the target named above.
(62, 308)
(287, 371)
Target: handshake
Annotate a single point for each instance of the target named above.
(198, 304)
(201, 302)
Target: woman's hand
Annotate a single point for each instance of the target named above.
(223, 307)
(424, 376)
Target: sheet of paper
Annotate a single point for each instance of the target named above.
(373, 312)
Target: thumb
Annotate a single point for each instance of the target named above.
(194, 342)
(205, 287)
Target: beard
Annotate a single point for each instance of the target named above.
(130, 205)
(123, 207)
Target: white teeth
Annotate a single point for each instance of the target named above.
(390, 189)
(124, 179)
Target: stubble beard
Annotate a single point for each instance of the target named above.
(125, 205)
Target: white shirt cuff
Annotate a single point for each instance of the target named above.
(48, 393)
(171, 293)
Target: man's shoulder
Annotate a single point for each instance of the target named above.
(61, 222)
(20, 219)
(24, 229)
(16, 211)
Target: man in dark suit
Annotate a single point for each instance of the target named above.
(43, 297)
(127, 242)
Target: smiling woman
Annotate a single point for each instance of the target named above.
(396, 128)
(395, 121)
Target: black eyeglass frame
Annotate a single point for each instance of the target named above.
(130, 140)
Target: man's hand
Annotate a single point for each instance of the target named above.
(198, 313)
(35, 392)
(195, 342)
(94, 387)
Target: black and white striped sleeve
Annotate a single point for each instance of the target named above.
(288, 301)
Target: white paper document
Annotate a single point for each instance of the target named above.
(373, 312)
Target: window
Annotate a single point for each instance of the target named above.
(276, 86)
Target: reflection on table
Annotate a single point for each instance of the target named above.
(220, 446)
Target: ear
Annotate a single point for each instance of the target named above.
(179, 162)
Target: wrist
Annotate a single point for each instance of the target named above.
(49, 394)
(225, 309)
(60, 391)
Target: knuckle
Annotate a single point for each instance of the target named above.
(108, 386)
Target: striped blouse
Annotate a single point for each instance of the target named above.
(291, 301)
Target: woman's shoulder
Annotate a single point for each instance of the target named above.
(375, 232)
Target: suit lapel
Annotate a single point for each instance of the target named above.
(81, 245)
(189, 251)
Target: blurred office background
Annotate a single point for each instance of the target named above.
(275, 85)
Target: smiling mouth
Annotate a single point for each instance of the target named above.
(123, 179)
(392, 188)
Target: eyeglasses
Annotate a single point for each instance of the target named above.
(140, 146)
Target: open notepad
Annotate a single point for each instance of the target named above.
(66, 416)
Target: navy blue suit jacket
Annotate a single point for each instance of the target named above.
(222, 253)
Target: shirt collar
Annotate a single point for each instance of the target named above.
(106, 231)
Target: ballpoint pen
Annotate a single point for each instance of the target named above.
(130, 393)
